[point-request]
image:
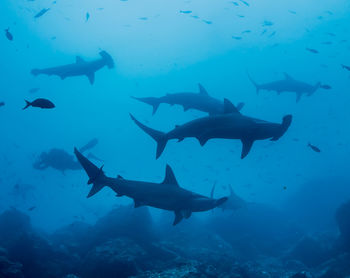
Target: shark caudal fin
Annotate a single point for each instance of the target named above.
(256, 85)
(27, 104)
(287, 120)
(107, 58)
(96, 175)
(220, 201)
(154, 101)
(158, 136)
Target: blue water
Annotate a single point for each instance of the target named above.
(158, 50)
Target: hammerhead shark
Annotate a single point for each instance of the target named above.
(288, 84)
(201, 101)
(80, 67)
(230, 125)
(234, 202)
(167, 195)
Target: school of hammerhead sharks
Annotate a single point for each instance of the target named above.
(224, 120)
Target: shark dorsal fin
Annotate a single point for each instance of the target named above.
(287, 76)
(79, 60)
(120, 177)
(202, 90)
(229, 108)
(231, 190)
(169, 177)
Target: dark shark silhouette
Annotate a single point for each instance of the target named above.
(201, 101)
(230, 125)
(234, 202)
(80, 67)
(288, 84)
(167, 195)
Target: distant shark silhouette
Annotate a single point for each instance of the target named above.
(201, 101)
(80, 67)
(230, 125)
(234, 202)
(167, 195)
(288, 84)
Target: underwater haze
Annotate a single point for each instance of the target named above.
(213, 136)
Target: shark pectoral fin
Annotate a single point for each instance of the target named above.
(246, 146)
(298, 97)
(119, 195)
(91, 77)
(187, 214)
(120, 177)
(186, 108)
(169, 177)
(229, 108)
(202, 90)
(180, 139)
(287, 76)
(178, 217)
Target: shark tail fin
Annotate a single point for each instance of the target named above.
(158, 136)
(35, 72)
(315, 88)
(287, 120)
(27, 104)
(256, 85)
(155, 102)
(107, 58)
(96, 175)
(220, 201)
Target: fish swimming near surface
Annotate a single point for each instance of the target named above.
(8, 35)
(288, 84)
(312, 50)
(245, 3)
(41, 13)
(201, 101)
(87, 16)
(326, 87)
(236, 37)
(40, 103)
(314, 148)
(229, 125)
(2, 103)
(167, 195)
(79, 68)
(345, 67)
(185, 12)
(233, 203)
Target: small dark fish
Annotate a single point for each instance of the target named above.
(92, 143)
(236, 38)
(267, 23)
(312, 50)
(8, 35)
(245, 3)
(292, 12)
(143, 18)
(314, 148)
(2, 103)
(246, 32)
(41, 13)
(329, 12)
(326, 87)
(263, 32)
(272, 34)
(185, 12)
(285, 187)
(41, 103)
(32, 208)
(207, 21)
(87, 16)
(33, 90)
(345, 67)
(320, 17)
(195, 16)
(235, 3)
(327, 43)
(330, 34)
(240, 15)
